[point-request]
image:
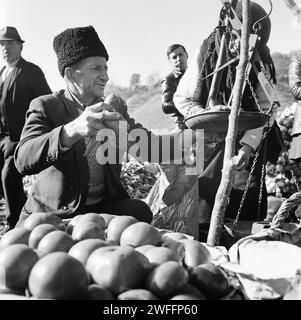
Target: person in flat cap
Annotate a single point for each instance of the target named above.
(192, 98)
(20, 82)
(59, 140)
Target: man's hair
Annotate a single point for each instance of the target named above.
(173, 47)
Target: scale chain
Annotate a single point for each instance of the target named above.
(264, 134)
(244, 196)
(254, 95)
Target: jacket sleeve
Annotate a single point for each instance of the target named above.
(188, 94)
(159, 148)
(295, 76)
(38, 148)
(167, 94)
(253, 137)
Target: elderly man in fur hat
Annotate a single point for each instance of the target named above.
(192, 97)
(56, 139)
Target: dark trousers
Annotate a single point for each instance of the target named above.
(11, 187)
(210, 179)
(131, 207)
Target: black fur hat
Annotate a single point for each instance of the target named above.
(75, 44)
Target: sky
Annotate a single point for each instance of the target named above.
(136, 33)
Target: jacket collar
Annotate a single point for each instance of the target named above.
(69, 104)
(176, 74)
(19, 67)
(15, 73)
(78, 105)
(20, 63)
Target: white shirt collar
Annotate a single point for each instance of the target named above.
(8, 69)
(12, 65)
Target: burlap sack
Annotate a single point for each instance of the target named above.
(174, 201)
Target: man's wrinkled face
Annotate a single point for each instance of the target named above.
(178, 59)
(234, 43)
(91, 77)
(10, 50)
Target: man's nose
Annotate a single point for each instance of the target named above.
(105, 76)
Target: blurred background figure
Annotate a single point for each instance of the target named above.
(296, 11)
(295, 85)
(20, 82)
(294, 154)
(177, 56)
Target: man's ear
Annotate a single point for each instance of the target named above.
(69, 74)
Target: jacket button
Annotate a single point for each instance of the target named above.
(49, 158)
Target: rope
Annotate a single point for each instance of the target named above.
(262, 179)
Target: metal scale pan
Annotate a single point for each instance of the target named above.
(218, 120)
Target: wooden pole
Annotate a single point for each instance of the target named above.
(229, 167)
(215, 84)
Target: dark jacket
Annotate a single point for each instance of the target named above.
(295, 85)
(61, 184)
(25, 83)
(169, 86)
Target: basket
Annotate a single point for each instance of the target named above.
(277, 230)
(284, 211)
(245, 228)
(253, 258)
(242, 229)
(218, 120)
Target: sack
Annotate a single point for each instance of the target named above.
(174, 201)
(266, 269)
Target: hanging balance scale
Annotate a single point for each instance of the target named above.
(247, 120)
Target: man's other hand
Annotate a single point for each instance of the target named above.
(88, 123)
(243, 157)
